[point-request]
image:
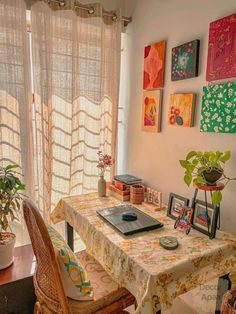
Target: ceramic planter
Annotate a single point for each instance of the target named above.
(212, 176)
(7, 243)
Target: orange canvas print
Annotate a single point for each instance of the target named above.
(181, 110)
(154, 64)
(151, 118)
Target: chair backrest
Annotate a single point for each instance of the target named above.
(47, 281)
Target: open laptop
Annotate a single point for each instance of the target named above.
(114, 216)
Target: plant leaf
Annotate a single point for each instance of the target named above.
(226, 156)
(199, 180)
(9, 167)
(216, 197)
(184, 163)
(188, 179)
(191, 155)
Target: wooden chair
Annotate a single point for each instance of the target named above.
(51, 298)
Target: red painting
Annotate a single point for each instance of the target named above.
(154, 63)
(221, 61)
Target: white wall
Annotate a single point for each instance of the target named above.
(154, 156)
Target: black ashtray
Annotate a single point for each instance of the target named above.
(129, 216)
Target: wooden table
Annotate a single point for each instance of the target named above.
(155, 276)
(16, 283)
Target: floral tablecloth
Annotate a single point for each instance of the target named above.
(155, 276)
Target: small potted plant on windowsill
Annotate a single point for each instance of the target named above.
(10, 196)
(206, 168)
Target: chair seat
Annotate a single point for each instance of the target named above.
(106, 290)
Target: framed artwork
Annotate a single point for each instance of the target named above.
(222, 49)
(154, 65)
(175, 205)
(181, 109)
(202, 216)
(151, 118)
(218, 112)
(185, 60)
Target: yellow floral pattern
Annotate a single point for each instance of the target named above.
(155, 276)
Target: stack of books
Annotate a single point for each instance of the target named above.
(120, 187)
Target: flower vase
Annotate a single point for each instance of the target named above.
(101, 187)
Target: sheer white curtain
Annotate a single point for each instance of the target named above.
(15, 96)
(76, 64)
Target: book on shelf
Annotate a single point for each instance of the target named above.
(128, 179)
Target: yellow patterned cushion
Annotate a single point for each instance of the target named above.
(74, 277)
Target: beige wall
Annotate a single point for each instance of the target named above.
(126, 6)
(154, 156)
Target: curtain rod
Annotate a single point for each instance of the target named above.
(91, 10)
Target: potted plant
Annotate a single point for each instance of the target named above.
(206, 168)
(10, 189)
(104, 161)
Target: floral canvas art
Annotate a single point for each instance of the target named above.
(219, 108)
(185, 59)
(154, 65)
(151, 118)
(181, 110)
(221, 62)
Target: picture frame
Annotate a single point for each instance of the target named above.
(175, 205)
(157, 199)
(154, 197)
(149, 198)
(151, 110)
(200, 220)
(221, 49)
(185, 60)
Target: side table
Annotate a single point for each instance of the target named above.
(16, 283)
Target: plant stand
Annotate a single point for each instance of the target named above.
(210, 189)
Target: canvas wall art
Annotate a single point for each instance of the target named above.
(219, 108)
(185, 59)
(181, 110)
(151, 118)
(154, 66)
(221, 61)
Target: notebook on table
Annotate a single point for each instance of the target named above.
(143, 222)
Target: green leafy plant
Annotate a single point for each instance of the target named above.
(198, 164)
(10, 196)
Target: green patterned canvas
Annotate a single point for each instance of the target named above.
(219, 108)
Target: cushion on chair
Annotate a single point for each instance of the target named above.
(74, 277)
(106, 290)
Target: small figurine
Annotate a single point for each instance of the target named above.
(184, 221)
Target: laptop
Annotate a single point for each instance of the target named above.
(114, 216)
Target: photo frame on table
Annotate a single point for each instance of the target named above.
(157, 198)
(154, 197)
(200, 218)
(175, 205)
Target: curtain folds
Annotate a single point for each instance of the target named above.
(76, 64)
(15, 99)
(15, 91)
